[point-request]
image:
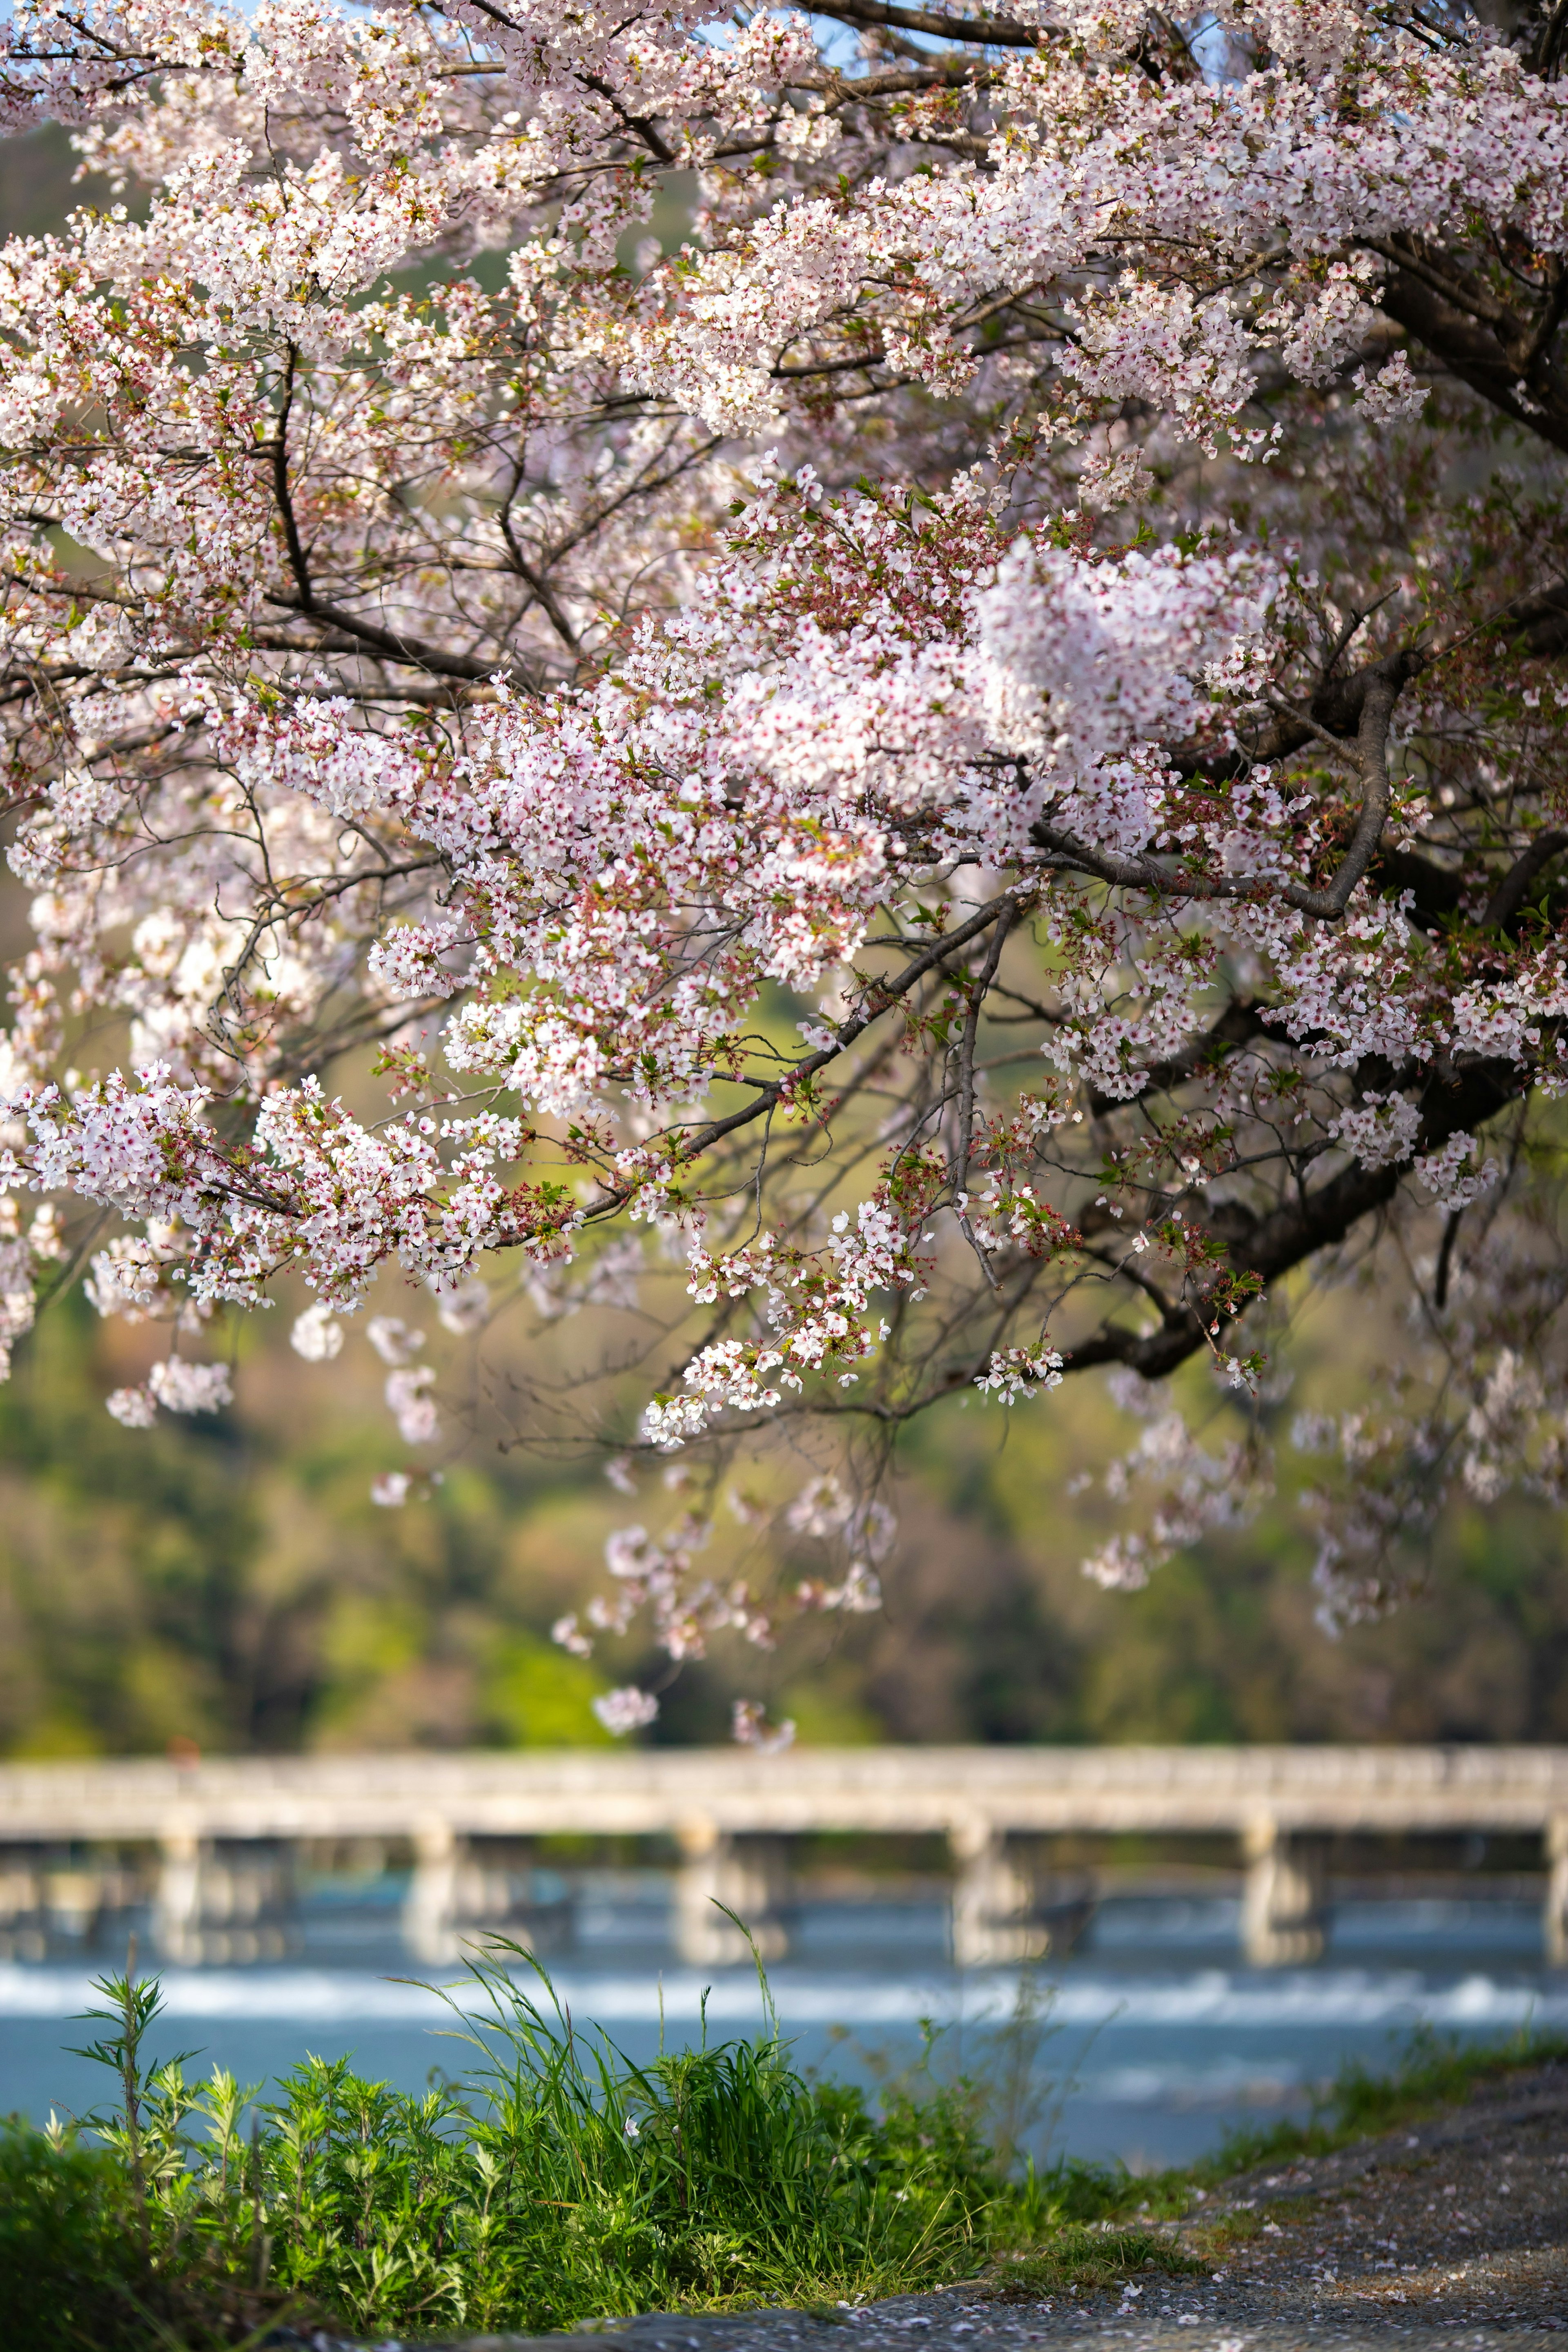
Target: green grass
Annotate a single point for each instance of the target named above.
(1083, 2256)
(553, 2181)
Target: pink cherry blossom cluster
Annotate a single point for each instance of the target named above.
(1190, 1489)
(654, 1580)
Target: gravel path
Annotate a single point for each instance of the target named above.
(1453, 2233)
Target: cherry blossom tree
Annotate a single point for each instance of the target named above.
(962, 761)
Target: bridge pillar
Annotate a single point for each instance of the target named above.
(996, 1906)
(23, 1920)
(463, 1890)
(1282, 1903)
(750, 1875)
(1554, 1915)
(430, 1905)
(229, 1900)
(52, 1897)
(177, 1901)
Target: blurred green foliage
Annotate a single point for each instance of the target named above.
(38, 184)
(68, 2243)
(229, 1581)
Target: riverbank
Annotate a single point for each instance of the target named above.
(1448, 2230)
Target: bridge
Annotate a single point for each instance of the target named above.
(214, 1841)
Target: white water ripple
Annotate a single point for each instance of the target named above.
(1212, 1997)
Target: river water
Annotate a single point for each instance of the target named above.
(1148, 2042)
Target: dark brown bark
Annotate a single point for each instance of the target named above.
(1276, 1244)
(994, 32)
(1336, 708)
(1491, 362)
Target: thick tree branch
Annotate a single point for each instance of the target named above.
(1480, 357)
(1517, 882)
(1336, 708)
(1454, 1101)
(993, 32)
(960, 1177)
(1379, 687)
(1539, 623)
(1549, 45)
(281, 489)
(411, 652)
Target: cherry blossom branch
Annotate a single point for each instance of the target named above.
(1245, 1018)
(739, 696)
(883, 996)
(978, 993)
(398, 648)
(1454, 1103)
